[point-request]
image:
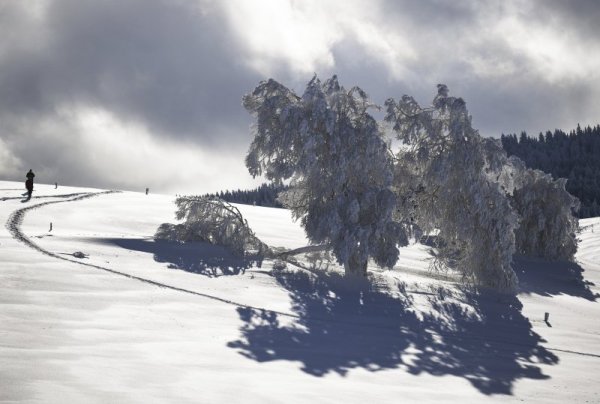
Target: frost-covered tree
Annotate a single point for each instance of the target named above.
(547, 228)
(547, 224)
(446, 187)
(215, 221)
(332, 152)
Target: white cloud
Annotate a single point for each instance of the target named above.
(93, 147)
(126, 153)
(303, 34)
(9, 163)
(555, 53)
(275, 31)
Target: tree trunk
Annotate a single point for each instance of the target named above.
(356, 266)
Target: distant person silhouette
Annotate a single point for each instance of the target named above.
(29, 183)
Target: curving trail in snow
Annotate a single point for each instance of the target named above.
(15, 220)
(13, 224)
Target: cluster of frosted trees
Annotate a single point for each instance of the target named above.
(352, 193)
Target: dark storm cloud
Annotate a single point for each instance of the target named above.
(172, 65)
(581, 16)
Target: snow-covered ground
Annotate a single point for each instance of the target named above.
(135, 320)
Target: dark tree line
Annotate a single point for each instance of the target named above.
(574, 156)
(264, 195)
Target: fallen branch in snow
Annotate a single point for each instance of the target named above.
(301, 250)
(218, 222)
(215, 221)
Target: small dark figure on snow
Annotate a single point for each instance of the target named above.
(29, 183)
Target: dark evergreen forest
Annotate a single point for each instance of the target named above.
(264, 195)
(574, 155)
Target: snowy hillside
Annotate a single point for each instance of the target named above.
(93, 310)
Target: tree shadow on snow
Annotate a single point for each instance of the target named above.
(196, 257)
(551, 278)
(342, 326)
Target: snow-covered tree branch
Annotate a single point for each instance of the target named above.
(215, 221)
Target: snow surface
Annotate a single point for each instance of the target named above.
(133, 320)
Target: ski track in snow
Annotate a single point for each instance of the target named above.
(15, 220)
(77, 194)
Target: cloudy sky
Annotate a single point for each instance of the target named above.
(131, 94)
